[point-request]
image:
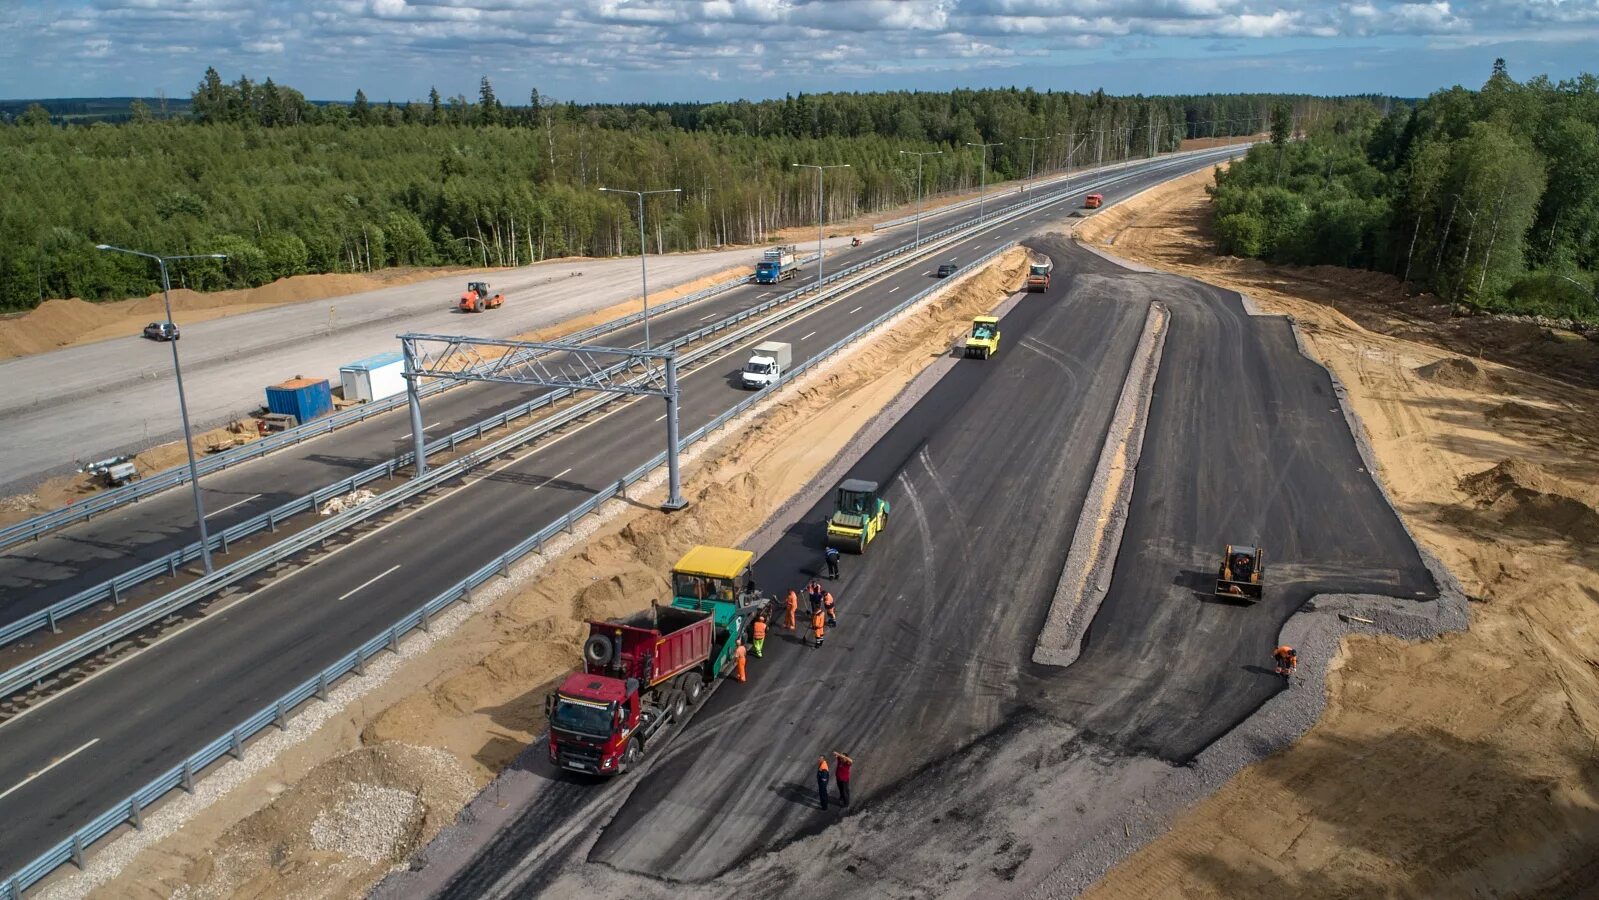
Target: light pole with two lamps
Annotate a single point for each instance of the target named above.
(982, 179)
(643, 249)
(919, 154)
(177, 372)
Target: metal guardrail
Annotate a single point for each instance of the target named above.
(1033, 186)
(112, 589)
(131, 810)
(89, 507)
(108, 633)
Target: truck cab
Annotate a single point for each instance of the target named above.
(767, 363)
(1093, 201)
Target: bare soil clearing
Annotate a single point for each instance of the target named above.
(476, 697)
(1460, 766)
(66, 489)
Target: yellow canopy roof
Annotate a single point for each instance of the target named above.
(714, 562)
(985, 319)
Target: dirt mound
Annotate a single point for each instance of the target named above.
(353, 816)
(1519, 494)
(1511, 411)
(1459, 372)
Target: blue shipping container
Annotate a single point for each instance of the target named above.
(303, 398)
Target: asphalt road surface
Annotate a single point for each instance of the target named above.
(143, 715)
(40, 573)
(986, 475)
(89, 402)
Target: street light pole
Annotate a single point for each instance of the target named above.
(1032, 157)
(821, 217)
(643, 249)
(919, 154)
(183, 403)
(982, 178)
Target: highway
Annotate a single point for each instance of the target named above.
(142, 715)
(40, 573)
(986, 475)
(88, 402)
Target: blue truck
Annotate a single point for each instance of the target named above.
(778, 264)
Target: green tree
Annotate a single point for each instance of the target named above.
(35, 116)
(488, 107)
(362, 110)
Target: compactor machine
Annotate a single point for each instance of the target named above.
(860, 516)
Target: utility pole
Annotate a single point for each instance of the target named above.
(821, 216)
(1032, 156)
(982, 178)
(919, 154)
(643, 249)
(183, 404)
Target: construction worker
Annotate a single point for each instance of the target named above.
(843, 763)
(819, 625)
(830, 607)
(1287, 660)
(759, 631)
(738, 660)
(831, 555)
(792, 607)
(821, 780)
(814, 592)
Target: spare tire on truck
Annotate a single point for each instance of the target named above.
(597, 650)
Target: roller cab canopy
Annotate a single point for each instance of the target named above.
(714, 562)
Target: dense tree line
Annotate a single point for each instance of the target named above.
(286, 186)
(1487, 198)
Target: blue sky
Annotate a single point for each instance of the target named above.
(722, 49)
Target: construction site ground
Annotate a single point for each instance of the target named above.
(1464, 765)
(477, 694)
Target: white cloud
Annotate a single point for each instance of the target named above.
(762, 45)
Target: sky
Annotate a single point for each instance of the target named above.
(651, 50)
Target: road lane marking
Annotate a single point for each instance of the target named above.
(367, 583)
(711, 316)
(660, 417)
(854, 311)
(892, 289)
(224, 509)
(426, 427)
(24, 782)
(808, 335)
(560, 474)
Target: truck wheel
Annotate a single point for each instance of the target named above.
(631, 756)
(693, 688)
(678, 707)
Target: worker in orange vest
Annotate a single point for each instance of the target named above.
(830, 607)
(792, 607)
(819, 624)
(821, 779)
(738, 660)
(759, 631)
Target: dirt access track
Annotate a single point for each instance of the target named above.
(1464, 765)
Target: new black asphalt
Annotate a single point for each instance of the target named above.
(143, 716)
(1245, 443)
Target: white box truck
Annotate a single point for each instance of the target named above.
(768, 361)
(373, 378)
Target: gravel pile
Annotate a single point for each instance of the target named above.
(370, 822)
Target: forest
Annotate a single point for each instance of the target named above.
(285, 186)
(1488, 199)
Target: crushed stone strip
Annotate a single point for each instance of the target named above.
(1085, 579)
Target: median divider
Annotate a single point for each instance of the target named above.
(130, 810)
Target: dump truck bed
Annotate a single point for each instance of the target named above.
(656, 644)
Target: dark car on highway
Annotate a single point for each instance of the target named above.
(161, 331)
(946, 270)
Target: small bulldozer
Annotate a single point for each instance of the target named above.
(478, 298)
(860, 516)
(1243, 574)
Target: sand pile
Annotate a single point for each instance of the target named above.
(354, 816)
(1520, 494)
(1459, 372)
(1511, 411)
